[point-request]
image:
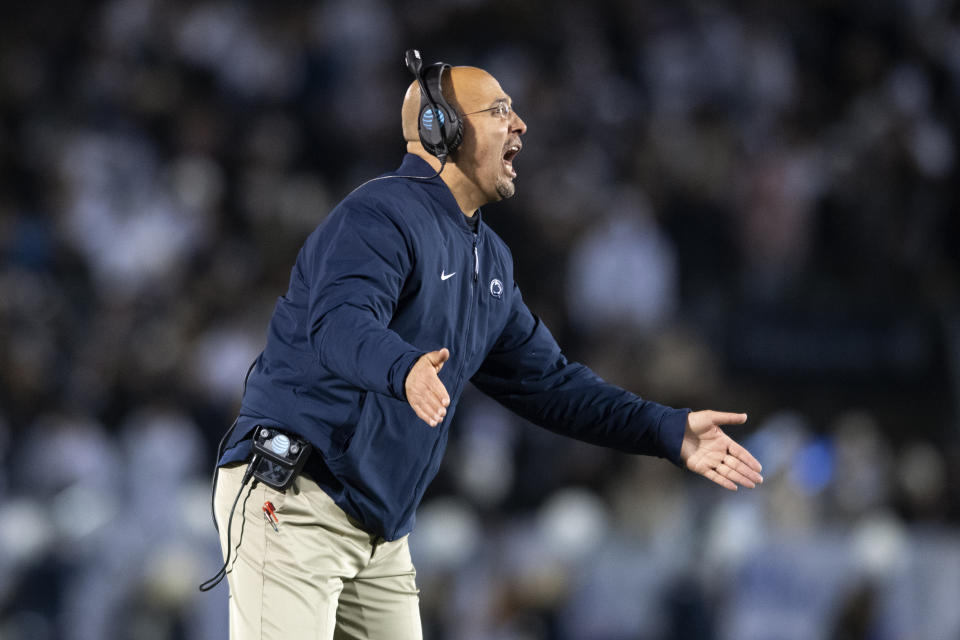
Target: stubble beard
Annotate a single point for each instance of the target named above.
(505, 188)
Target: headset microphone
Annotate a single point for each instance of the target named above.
(414, 61)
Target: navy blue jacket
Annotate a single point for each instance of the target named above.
(392, 273)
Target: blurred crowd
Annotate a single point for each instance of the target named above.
(740, 205)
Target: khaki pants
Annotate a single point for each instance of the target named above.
(318, 577)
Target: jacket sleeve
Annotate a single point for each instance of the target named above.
(527, 373)
(358, 261)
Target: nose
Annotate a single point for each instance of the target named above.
(518, 124)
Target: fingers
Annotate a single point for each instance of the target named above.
(744, 456)
(743, 469)
(437, 358)
(429, 410)
(728, 464)
(702, 422)
(430, 416)
(722, 417)
(738, 472)
(731, 473)
(425, 392)
(431, 403)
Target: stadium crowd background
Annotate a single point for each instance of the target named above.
(744, 205)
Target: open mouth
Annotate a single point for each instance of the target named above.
(508, 157)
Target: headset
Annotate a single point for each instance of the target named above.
(439, 124)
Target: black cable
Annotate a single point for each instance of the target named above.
(216, 469)
(443, 163)
(222, 572)
(223, 441)
(206, 586)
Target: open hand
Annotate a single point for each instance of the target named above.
(707, 450)
(425, 393)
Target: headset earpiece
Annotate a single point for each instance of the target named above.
(439, 124)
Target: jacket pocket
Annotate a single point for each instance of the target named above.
(343, 434)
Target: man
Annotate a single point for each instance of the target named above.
(397, 300)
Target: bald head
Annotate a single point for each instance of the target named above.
(465, 88)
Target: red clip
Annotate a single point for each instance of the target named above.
(270, 515)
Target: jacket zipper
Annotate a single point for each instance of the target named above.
(473, 305)
(476, 260)
(471, 312)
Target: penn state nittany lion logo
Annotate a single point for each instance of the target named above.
(496, 288)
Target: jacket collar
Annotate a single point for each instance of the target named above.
(415, 166)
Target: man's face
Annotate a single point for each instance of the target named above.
(491, 138)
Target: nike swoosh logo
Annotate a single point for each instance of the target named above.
(444, 275)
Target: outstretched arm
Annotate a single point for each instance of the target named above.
(527, 373)
(707, 450)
